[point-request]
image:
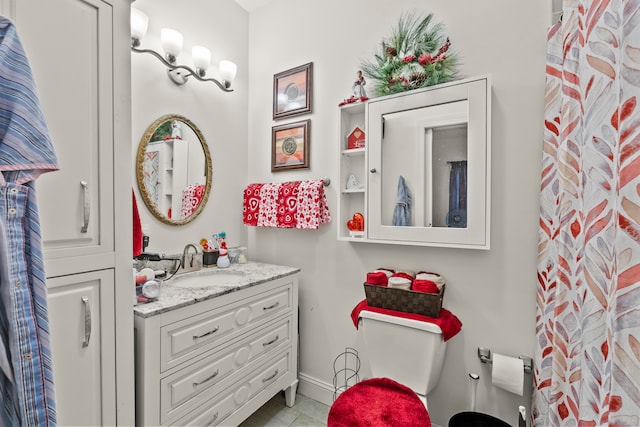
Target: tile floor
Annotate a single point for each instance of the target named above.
(275, 413)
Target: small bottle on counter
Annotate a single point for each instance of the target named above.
(242, 257)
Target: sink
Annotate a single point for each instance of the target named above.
(210, 278)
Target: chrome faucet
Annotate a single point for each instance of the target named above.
(185, 254)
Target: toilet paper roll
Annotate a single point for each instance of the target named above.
(508, 373)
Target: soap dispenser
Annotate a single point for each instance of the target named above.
(223, 257)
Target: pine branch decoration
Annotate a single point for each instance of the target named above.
(416, 55)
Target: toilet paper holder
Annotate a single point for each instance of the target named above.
(484, 354)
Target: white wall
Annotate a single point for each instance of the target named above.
(492, 292)
(222, 118)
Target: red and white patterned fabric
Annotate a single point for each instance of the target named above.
(288, 204)
(294, 204)
(268, 205)
(312, 205)
(191, 198)
(587, 356)
(251, 204)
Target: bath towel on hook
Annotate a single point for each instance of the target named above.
(293, 204)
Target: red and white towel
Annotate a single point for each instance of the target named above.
(251, 204)
(312, 205)
(294, 204)
(268, 206)
(191, 197)
(422, 282)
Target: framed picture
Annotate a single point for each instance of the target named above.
(292, 91)
(290, 146)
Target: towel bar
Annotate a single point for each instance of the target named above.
(484, 354)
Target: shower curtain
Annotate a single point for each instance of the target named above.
(587, 356)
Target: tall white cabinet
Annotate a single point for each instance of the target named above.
(80, 57)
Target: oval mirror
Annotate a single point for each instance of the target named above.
(173, 169)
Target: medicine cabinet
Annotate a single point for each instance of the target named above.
(433, 144)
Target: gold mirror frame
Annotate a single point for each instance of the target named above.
(142, 148)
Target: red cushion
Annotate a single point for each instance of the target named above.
(378, 402)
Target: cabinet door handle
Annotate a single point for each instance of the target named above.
(271, 377)
(215, 374)
(215, 417)
(373, 170)
(195, 337)
(87, 321)
(86, 206)
(264, 344)
(271, 306)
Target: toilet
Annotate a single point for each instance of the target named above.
(408, 351)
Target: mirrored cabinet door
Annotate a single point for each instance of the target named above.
(425, 171)
(428, 166)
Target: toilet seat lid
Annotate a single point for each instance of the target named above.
(376, 402)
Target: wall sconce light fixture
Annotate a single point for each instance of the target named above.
(172, 45)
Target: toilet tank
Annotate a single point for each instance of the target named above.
(408, 351)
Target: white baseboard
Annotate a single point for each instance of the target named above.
(315, 389)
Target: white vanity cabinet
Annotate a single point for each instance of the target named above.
(437, 142)
(80, 58)
(217, 361)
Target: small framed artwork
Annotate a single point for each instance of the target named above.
(290, 146)
(292, 91)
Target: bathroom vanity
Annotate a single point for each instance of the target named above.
(217, 345)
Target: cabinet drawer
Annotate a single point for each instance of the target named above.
(178, 388)
(223, 405)
(182, 340)
(239, 394)
(262, 379)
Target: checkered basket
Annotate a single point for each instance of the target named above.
(404, 300)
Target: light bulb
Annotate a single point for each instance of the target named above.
(139, 24)
(228, 71)
(171, 43)
(201, 59)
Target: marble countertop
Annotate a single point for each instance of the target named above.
(173, 296)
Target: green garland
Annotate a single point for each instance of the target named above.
(417, 55)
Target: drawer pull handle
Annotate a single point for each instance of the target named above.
(215, 417)
(87, 321)
(264, 344)
(86, 206)
(275, 374)
(195, 337)
(271, 306)
(215, 374)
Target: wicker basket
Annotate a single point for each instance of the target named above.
(403, 300)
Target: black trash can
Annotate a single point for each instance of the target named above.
(475, 419)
